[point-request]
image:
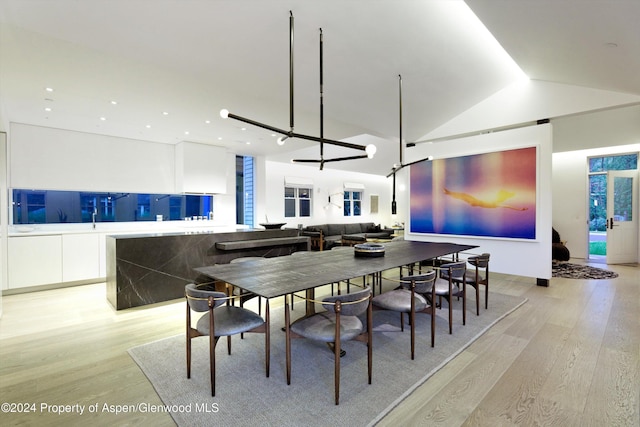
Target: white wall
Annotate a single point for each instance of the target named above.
(571, 198)
(325, 182)
(523, 258)
(614, 127)
(3, 213)
(528, 101)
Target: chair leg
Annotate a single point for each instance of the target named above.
(188, 356)
(212, 363)
(464, 302)
(336, 373)
(336, 357)
(287, 322)
(449, 301)
(267, 338)
(433, 326)
(412, 317)
(486, 295)
(370, 341)
(188, 341)
(477, 286)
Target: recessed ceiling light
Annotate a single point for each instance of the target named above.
(148, 126)
(248, 143)
(47, 109)
(114, 102)
(48, 89)
(243, 128)
(164, 113)
(207, 121)
(219, 138)
(186, 132)
(103, 118)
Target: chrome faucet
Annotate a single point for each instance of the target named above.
(93, 217)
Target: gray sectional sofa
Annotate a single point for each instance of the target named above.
(325, 236)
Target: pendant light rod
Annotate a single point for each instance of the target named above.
(291, 70)
(397, 169)
(394, 207)
(321, 108)
(370, 149)
(289, 134)
(400, 103)
(337, 159)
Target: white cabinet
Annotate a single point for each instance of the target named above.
(53, 259)
(200, 168)
(80, 257)
(103, 255)
(34, 261)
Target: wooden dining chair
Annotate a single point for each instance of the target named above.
(452, 283)
(338, 323)
(221, 319)
(414, 295)
(481, 277)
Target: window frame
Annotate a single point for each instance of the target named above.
(352, 202)
(301, 205)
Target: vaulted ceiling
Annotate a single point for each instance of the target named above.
(162, 70)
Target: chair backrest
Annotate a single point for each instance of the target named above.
(455, 270)
(198, 296)
(423, 282)
(481, 261)
(352, 304)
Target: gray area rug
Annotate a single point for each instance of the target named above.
(245, 397)
(576, 271)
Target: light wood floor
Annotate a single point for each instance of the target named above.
(569, 357)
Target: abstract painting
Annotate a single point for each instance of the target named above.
(488, 195)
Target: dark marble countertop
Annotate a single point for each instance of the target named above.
(187, 232)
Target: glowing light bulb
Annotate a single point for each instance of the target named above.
(224, 113)
(370, 150)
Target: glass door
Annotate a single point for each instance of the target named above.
(622, 217)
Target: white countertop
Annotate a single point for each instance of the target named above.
(139, 227)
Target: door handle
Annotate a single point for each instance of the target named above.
(611, 224)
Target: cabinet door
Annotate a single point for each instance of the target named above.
(80, 257)
(34, 260)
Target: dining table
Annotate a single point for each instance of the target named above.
(284, 275)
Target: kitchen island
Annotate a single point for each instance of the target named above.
(150, 268)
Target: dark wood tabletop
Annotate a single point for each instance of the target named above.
(277, 276)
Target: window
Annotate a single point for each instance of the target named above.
(352, 203)
(297, 201)
(144, 207)
(609, 163)
(245, 190)
(54, 207)
(30, 208)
